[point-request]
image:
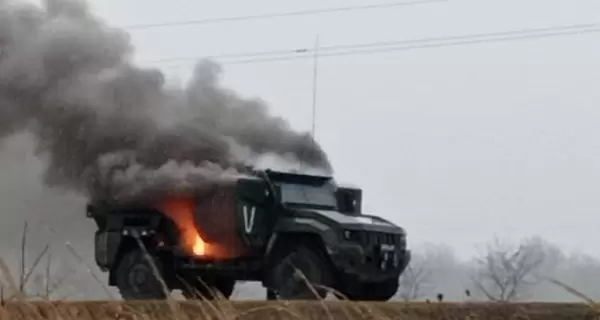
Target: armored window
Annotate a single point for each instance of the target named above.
(322, 196)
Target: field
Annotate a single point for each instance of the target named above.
(259, 310)
(16, 303)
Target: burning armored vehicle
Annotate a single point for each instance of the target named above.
(297, 234)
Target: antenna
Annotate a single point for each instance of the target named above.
(314, 98)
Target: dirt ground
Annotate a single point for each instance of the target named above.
(291, 310)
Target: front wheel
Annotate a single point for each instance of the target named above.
(374, 291)
(301, 274)
(136, 279)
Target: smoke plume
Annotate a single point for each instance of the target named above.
(109, 128)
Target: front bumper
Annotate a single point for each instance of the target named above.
(375, 264)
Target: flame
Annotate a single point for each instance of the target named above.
(199, 246)
(181, 211)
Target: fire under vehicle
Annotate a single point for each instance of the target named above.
(297, 234)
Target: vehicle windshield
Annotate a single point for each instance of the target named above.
(308, 195)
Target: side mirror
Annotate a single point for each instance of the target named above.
(349, 200)
(89, 210)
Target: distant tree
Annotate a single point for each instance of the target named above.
(415, 280)
(447, 273)
(507, 273)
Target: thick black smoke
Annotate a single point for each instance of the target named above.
(110, 128)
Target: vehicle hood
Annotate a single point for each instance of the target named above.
(362, 221)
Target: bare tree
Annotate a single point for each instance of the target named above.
(506, 273)
(415, 280)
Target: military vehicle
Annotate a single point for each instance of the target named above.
(300, 235)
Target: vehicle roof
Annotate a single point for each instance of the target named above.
(294, 177)
(297, 177)
(347, 186)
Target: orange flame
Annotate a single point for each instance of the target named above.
(199, 246)
(181, 211)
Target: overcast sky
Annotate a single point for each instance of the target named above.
(456, 144)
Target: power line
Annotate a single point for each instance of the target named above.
(381, 43)
(374, 47)
(422, 46)
(281, 14)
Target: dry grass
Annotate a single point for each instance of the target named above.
(290, 310)
(16, 303)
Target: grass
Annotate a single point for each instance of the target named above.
(16, 303)
(258, 310)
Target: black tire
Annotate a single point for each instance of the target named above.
(135, 278)
(210, 290)
(374, 291)
(286, 284)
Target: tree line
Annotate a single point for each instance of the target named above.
(532, 269)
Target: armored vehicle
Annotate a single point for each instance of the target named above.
(300, 235)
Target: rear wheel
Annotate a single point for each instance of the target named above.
(136, 279)
(299, 275)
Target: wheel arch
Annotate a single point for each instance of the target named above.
(296, 230)
(158, 225)
(284, 241)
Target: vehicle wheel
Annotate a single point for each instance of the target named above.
(285, 282)
(135, 278)
(196, 289)
(375, 291)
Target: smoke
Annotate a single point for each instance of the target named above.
(108, 128)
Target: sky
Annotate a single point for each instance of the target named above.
(456, 144)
